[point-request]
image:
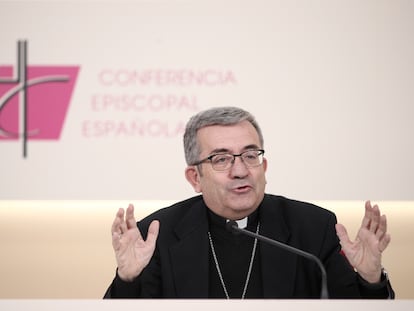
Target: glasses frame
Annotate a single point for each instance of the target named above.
(210, 157)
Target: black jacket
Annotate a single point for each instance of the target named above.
(180, 265)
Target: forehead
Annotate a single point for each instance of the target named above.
(234, 138)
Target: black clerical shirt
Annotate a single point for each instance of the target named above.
(234, 252)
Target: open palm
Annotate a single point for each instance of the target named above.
(132, 252)
(365, 252)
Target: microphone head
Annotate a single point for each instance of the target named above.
(231, 225)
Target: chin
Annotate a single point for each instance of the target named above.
(243, 205)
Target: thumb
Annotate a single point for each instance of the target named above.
(153, 231)
(342, 234)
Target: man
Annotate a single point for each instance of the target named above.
(185, 251)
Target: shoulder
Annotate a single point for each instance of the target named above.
(174, 213)
(295, 207)
(298, 215)
(304, 225)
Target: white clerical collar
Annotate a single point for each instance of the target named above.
(242, 223)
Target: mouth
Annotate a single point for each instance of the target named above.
(241, 189)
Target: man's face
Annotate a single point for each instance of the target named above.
(238, 191)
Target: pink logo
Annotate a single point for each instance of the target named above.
(34, 99)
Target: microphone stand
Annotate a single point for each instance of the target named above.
(231, 225)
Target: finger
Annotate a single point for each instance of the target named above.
(130, 218)
(371, 218)
(367, 216)
(375, 219)
(382, 227)
(153, 231)
(123, 222)
(123, 227)
(342, 234)
(116, 241)
(384, 242)
(116, 224)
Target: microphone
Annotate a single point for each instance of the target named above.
(232, 226)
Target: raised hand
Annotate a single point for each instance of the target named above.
(365, 253)
(131, 251)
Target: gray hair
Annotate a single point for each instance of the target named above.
(213, 116)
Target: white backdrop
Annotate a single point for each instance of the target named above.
(331, 83)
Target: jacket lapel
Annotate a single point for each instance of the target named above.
(278, 265)
(189, 256)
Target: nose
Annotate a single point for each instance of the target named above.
(238, 168)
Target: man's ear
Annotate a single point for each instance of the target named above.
(193, 176)
(264, 164)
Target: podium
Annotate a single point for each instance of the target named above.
(204, 305)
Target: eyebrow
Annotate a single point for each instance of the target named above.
(224, 150)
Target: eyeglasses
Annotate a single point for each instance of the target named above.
(223, 161)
